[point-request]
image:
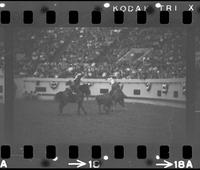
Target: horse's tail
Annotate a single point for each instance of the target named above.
(122, 86)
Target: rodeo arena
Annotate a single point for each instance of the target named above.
(98, 85)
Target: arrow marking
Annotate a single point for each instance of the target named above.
(78, 163)
(166, 164)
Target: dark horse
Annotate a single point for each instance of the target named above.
(108, 100)
(118, 95)
(67, 96)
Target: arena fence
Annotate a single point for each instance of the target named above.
(152, 91)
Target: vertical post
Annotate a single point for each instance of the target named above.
(190, 84)
(9, 85)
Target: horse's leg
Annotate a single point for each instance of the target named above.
(61, 106)
(83, 109)
(122, 104)
(109, 109)
(99, 108)
(80, 105)
(79, 108)
(105, 108)
(113, 106)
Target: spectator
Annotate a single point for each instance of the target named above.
(62, 52)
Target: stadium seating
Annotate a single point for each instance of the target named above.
(98, 52)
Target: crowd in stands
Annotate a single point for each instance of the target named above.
(99, 52)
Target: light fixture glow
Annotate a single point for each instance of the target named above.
(2, 5)
(106, 5)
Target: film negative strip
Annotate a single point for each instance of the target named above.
(99, 84)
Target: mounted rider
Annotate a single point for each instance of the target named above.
(114, 84)
(74, 85)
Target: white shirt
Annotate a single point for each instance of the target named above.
(112, 81)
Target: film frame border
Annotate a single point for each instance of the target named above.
(189, 81)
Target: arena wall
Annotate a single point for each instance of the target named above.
(136, 90)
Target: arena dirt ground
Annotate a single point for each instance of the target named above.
(38, 122)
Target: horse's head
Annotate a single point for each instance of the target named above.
(85, 89)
